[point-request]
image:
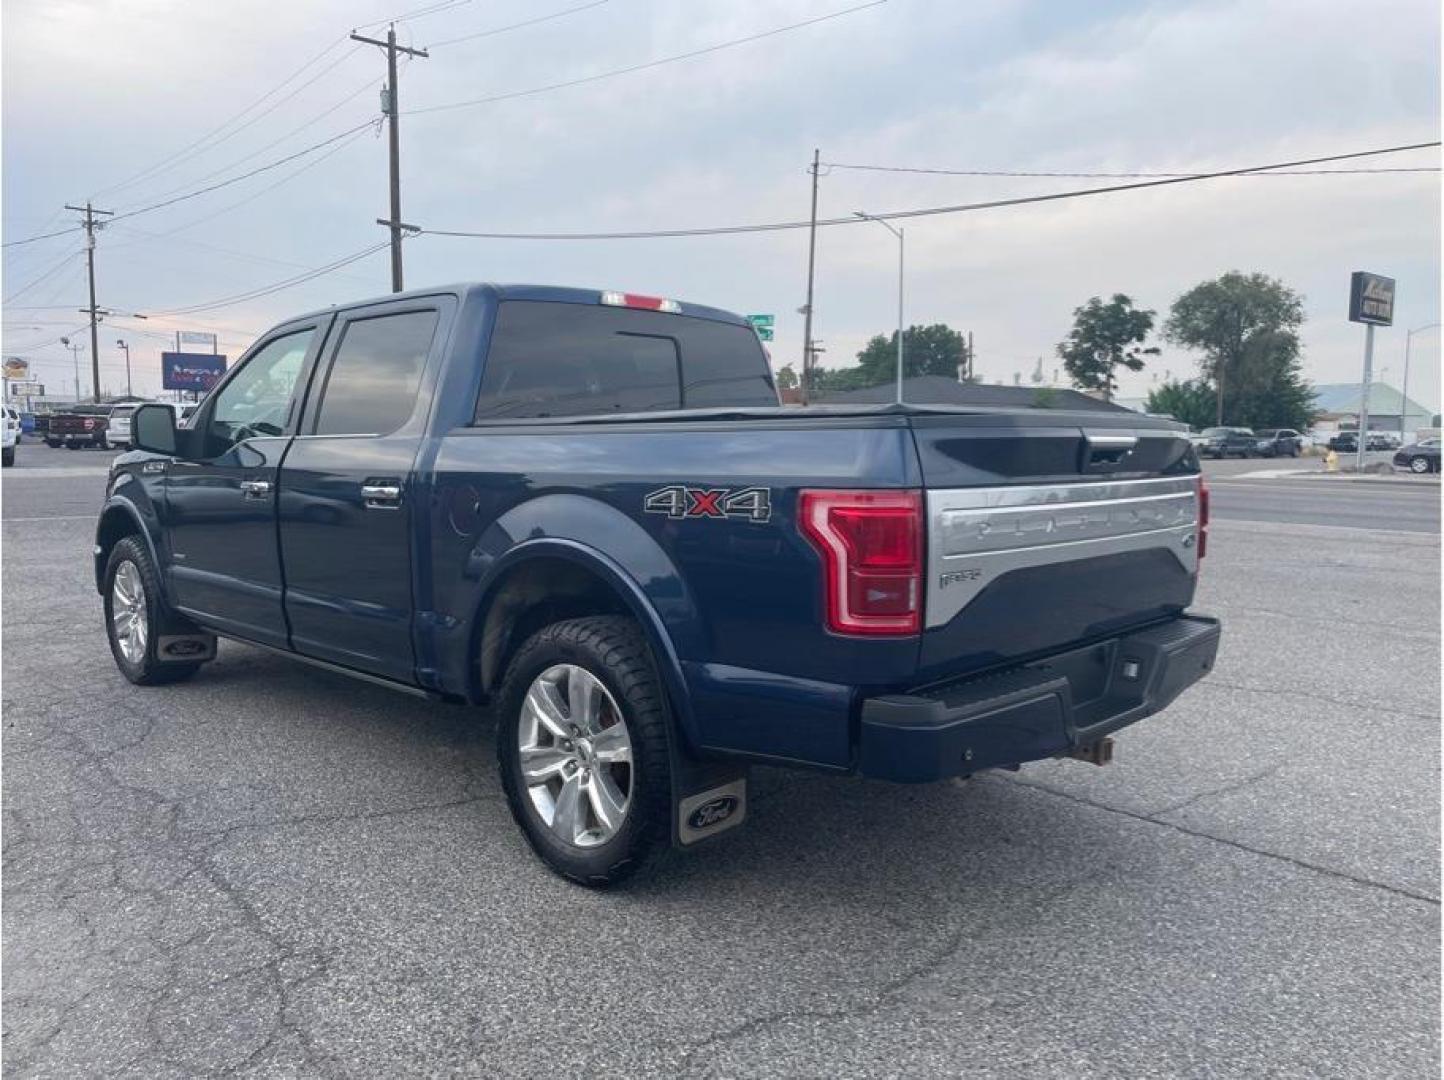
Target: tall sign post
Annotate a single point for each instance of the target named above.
(1371, 302)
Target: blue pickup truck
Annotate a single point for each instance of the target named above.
(587, 511)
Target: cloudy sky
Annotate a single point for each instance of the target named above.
(121, 101)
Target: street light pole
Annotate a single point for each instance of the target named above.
(901, 279)
(1404, 394)
(126, 347)
(75, 351)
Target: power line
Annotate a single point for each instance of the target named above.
(195, 147)
(242, 202)
(517, 25)
(646, 66)
(243, 176)
(42, 236)
(415, 13)
(64, 260)
(266, 290)
(778, 226)
(1110, 175)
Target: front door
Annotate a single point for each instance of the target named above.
(346, 508)
(224, 567)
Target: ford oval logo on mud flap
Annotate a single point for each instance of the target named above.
(713, 812)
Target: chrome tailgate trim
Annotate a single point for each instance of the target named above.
(975, 535)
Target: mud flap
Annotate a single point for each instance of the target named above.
(185, 648)
(708, 798)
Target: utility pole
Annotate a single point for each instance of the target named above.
(807, 357)
(92, 311)
(390, 101)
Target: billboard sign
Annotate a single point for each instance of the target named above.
(197, 337)
(1371, 298)
(191, 371)
(16, 367)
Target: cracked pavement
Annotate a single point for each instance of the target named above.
(272, 871)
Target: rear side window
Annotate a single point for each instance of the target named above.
(550, 359)
(375, 374)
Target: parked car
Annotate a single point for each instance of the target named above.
(1347, 442)
(1220, 442)
(1279, 442)
(1420, 457)
(117, 428)
(590, 511)
(81, 425)
(117, 432)
(9, 436)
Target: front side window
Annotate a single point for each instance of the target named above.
(376, 373)
(257, 399)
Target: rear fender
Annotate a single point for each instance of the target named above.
(617, 550)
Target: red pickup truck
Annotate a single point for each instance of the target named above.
(84, 425)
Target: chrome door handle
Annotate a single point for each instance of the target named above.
(381, 496)
(255, 489)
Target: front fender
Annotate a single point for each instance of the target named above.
(124, 515)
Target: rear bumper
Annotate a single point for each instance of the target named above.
(1036, 710)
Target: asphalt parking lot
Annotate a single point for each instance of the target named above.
(275, 871)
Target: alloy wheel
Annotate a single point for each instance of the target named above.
(128, 618)
(576, 755)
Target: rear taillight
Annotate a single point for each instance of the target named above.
(1202, 518)
(636, 300)
(871, 543)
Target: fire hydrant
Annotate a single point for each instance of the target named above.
(1331, 461)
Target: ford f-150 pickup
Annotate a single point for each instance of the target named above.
(588, 512)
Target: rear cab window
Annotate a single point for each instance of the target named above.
(373, 381)
(552, 359)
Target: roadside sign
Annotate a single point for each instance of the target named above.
(190, 371)
(763, 325)
(197, 337)
(1371, 299)
(16, 367)
(26, 389)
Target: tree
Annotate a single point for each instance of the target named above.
(786, 378)
(1239, 321)
(927, 350)
(1105, 336)
(1190, 401)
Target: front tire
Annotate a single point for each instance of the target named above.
(134, 616)
(7, 456)
(582, 730)
(1419, 465)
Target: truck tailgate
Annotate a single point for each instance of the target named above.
(1045, 531)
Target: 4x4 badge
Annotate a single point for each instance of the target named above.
(681, 501)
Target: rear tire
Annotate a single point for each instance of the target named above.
(7, 456)
(134, 616)
(1420, 465)
(566, 801)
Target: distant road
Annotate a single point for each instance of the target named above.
(1404, 507)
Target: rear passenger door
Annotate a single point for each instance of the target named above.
(346, 508)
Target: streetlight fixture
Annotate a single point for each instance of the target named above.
(75, 351)
(900, 278)
(1404, 394)
(126, 347)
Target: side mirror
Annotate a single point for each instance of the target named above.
(152, 427)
